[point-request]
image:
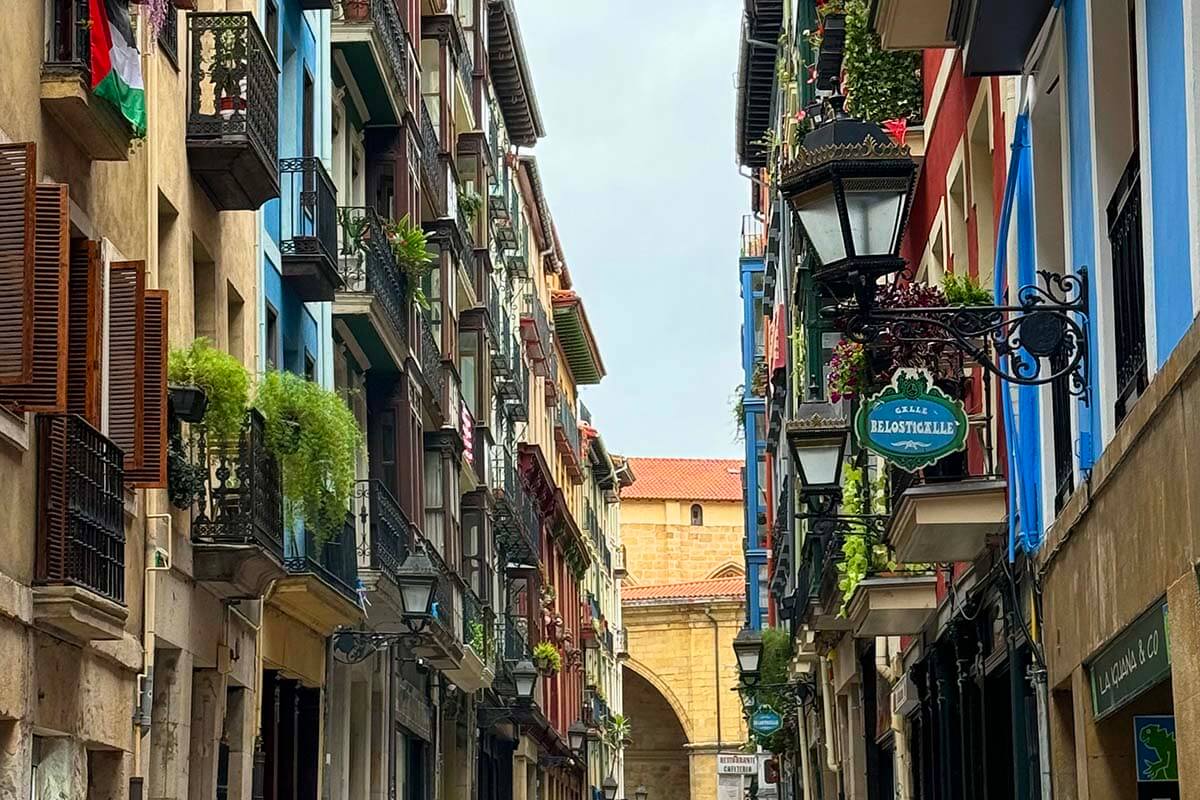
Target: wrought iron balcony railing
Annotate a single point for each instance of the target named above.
(518, 397)
(335, 561)
(566, 432)
(385, 534)
(516, 641)
(535, 327)
(432, 169)
(478, 631)
(234, 489)
(517, 533)
(233, 110)
(81, 528)
(1129, 288)
(366, 265)
(309, 229)
(168, 37)
(431, 359)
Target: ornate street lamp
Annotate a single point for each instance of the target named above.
(748, 647)
(852, 188)
(576, 735)
(610, 788)
(525, 677)
(818, 438)
(640, 792)
(418, 580)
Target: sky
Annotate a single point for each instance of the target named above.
(638, 167)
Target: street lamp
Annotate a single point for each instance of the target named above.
(640, 792)
(610, 788)
(748, 646)
(418, 579)
(525, 676)
(852, 187)
(818, 438)
(576, 735)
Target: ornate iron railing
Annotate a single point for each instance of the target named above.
(515, 537)
(168, 37)
(385, 535)
(567, 430)
(233, 81)
(478, 631)
(70, 44)
(431, 359)
(308, 209)
(516, 642)
(366, 264)
(81, 530)
(518, 400)
(466, 71)
(536, 325)
(432, 168)
(234, 489)
(1129, 287)
(335, 561)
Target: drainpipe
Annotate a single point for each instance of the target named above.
(831, 761)
(145, 679)
(716, 671)
(805, 765)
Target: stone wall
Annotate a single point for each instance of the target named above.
(663, 546)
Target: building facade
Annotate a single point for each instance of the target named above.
(322, 220)
(683, 602)
(939, 605)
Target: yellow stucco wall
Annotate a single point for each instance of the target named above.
(662, 546)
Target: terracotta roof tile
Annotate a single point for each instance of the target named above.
(717, 479)
(714, 588)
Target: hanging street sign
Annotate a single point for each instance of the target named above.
(912, 423)
(765, 721)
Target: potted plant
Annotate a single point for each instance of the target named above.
(410, 248)
(203, 371)
(188, 402)
(469, 205)
(546, 658)
(317, 440)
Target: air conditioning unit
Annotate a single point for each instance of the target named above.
(904, 697)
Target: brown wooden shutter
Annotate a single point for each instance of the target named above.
(18, 176)
(153, 470)
(47, 389)
(126, 331)
(85, 330)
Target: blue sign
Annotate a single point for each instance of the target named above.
(765, 721)
(912, 423)
(1154, 738)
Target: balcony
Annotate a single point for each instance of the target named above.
(621, 642)
(897, 604)
(515, 521)
(996, 36)
(321, 588)
(1124, 214)
(371, 36)
(619, 569)
(92, 122)
(79, 586)
(433, 171)
(535, 332)
(478, 635)
(432, 372)
(818, 600)
(236, 507)
(384, 538)
(309, 238)
(567, 441)
(443, 648)
(913, 24)
(373, 301)
(514, 648)
(233, 110)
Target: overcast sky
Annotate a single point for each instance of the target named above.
(638, 166)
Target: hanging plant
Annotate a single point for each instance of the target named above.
(547, 659)
(879, 84)
(963, 290)
(860, 555)
(849, 376)
(410, 248)
(316, 438)
(225, 382)
(469, 205)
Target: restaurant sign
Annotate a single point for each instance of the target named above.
(912, 423)
(1130, 664)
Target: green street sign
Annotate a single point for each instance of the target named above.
(765, 721)
(1130, 664)
(912, 423)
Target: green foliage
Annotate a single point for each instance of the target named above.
(547, 658)
(880, 85)
(479, 641)
(738, 403)
(616, 734)
(469, 204)
(849, 374)
(316, 439)
(410, 248)
(224, 380)
(860, 556)
(963, 290)
(773, 674)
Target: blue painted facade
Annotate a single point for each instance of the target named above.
(754, 415)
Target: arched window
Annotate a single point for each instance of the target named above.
(697, 514)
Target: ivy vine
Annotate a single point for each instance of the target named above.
(880, 84)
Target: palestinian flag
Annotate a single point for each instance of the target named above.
(116, 63)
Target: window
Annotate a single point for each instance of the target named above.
(310, 366)
(271, 25)
(308, 113)
(697, 514)
(235, 307)
(272, 345)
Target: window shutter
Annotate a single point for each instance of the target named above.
(153, 471)
(85, 329)
(18, 176)
(126, 329)
(47, 388)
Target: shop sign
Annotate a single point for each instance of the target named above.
(765, 721)
(736, 764)
(912, 423)
(1154, 743)
(1130, 664)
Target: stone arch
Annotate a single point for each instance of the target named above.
(730, 569)
(658, 756)
(632, 665)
